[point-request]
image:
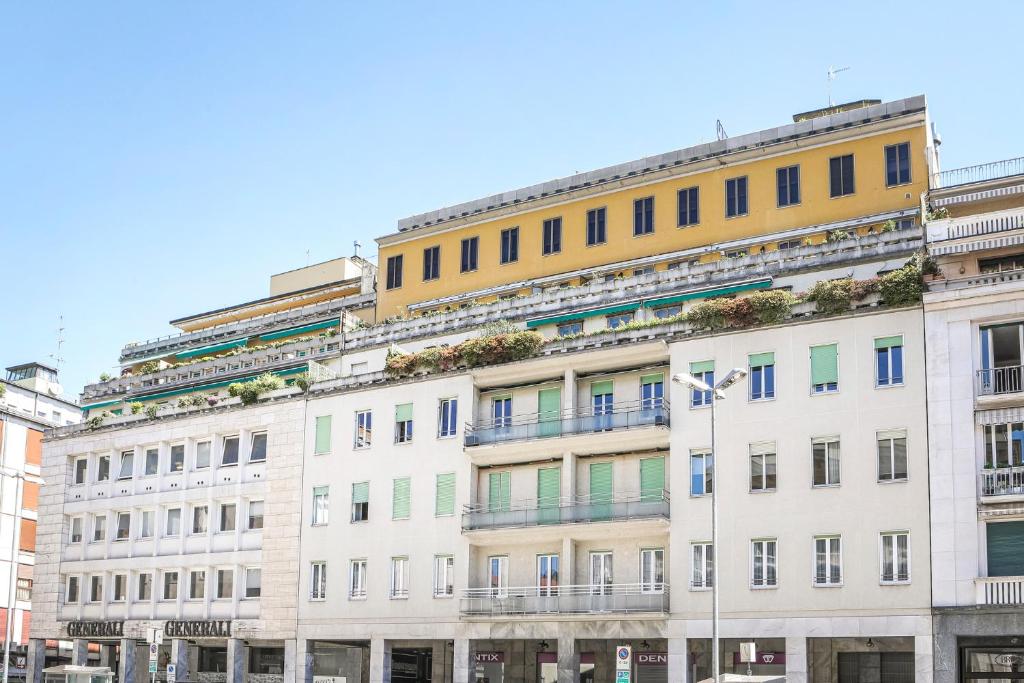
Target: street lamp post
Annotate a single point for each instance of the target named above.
(20, 478)
(717, 394)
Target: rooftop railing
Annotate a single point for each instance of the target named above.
(566, 510)
(580, 599)
(982, 172)
(1004, 380)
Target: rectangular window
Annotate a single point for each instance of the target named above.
(173, 526)
(364, 428)
(444, 495)
(197, 585)
(762, 375)
(568, 329)
(431, 263)
(652, 570)
(230, 454)
(788, 244)
(120, 588)
(403, 423)
(399, 589)
(200, 513)
(897, 164)
(400, 498)
(895, 557)
(320, 504)
(666, 312)
(705, 372)
(170, 586)
(448, 417)
(228, 516)
(322, 437)
(152, 462)
(258, 447)
(499, 491)
(701, 472)
(1003, 264)
(146, 527)
(71, 596)
(225, 584)
(702, 565)
(470, 254)
(126, 466)
(510, 245)
(357, 580)
(892, 456)
(76, 530)
(736, 197)
(99, 528)
(394, 272)
(498, 575)
(825, 368)
(202, 455)
(253, 582)
(787, 182)
(255, 515)
(317, 580)
(361, 501)
(689, 206)
(828, 561)
(763, 563)
(145, 592)
(95, 589)
(103, 468)
(825, 461)
(619, 319)
(762, 466)
(124, 526)
(81, 467)
(643, 216)
(889, 361)
(177, 463)
(596, 227)
(652, 393)
(444, 576)
(840, 170)
(552, 236)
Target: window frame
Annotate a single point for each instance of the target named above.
(814, 560)
(826, 440)
(600, 227)
(509, 246)
(444, 568)
(706, 456)
(192, 575)
(217, 572)
(99, 527)
(130, 457)
(81, 529)
(560, 326)
(764, 391)
(688, 210)
(751, 454)
(164, 585)
(246, 573)
(194, 509)
(249, 516)
(100, 460)
(788, 170)
(643, 216)
(890, 383)
(398, 585)
(910, 166)
(432, 263)
(551, 236)
(77, 580)
(222, 520)
(252, 446)
(393, 272)
(364, 430)
(891, 435)
(119, 534)
(209, 455)
(453, 418)
(92, 599)
(470, 255)
(167, 519)
(172, 459)
(75, 465)
(737, 213)
(842, 185)
(623, 318)
(320, 493)
(895, 581)
(146, 470)
(827, 388)
(358, 566)
(224, 450)
(317, 589)
(141, 583)
(707, 570)
(765, 585)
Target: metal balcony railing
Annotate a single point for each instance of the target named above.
(999, 590)
(1004, 380)
(980, 172)
(1004, 481)
(618, 416)
(582, 599)
(566, 510)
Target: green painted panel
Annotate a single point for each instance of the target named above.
(889, 342)
(652, 379)
(499, 492)
(761, 359)
(400, 498)
(323, 435)
(601, 388)
(824, 364)
(1005, 542)
(549, 488)
(702, 367)
(444, 495)
(403, 413)
(549, 409)
(361, 492)
(652, 479)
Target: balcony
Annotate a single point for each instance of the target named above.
(997, 381)
(982, 172)
(619, 598)
(1005, 481)
(1000, 590)
(567, 510)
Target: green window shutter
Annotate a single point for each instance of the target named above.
(652, 379)
(600, 388)
(652, 479)
(889, 342)
(601, 482)
(549, 486)
(824, 364)
(1005, 542)
(323, 434)
(702, 366)
(761, 359)
(549, 403)
(361, 492)
(499, 493)
(400, 499)
(403, 413)
(444, 500)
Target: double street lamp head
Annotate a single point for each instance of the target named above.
(731, 377)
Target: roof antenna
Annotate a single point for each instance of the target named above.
(58, 359)
(720, 130)
(356, 247)
(832, 72)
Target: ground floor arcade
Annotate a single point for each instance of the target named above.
(979, 645)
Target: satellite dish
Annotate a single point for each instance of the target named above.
(56, 389)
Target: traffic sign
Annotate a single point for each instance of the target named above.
(152, 666)
(171, 670)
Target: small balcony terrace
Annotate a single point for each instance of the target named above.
(619, 598)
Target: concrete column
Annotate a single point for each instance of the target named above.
(568, 660)
(569, 474)
(796, 660)
(179, 658)
(923, 659)
(569, 391)
(36, 660)
(464, 661)
(126, 662)
(236, 660)
(566, 563)
(108, 656)
(438, 657)
(80, 652)
(678, 661)
(380, 661)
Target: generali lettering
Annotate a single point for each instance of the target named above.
(197, 629)
(96, 629)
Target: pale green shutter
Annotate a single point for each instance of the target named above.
(361, 492)
(601, 388)
(549, 406)
(1005, 541)
(824, 364)
(444, 500)
(757, 360)
(499, 491)
(323, 435)
(549, 488)
(652, 479)
(700, 367)
(400, 499)
(889, 342)
(403, 413)
(652, 379)
(600, 482)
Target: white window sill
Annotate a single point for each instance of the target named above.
(894, 583)
(827, 585)
(765, 588)
(701, 589)
(444, 596)
(361, 598)
(890, 386)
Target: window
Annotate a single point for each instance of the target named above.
(253, 582)
(596, 227)
(173, 526)
(762, 375)
(552, 236)
(762, 466)
(202, 455)
(197, 585)
(431, 263)
(258, 447)
(400, 498)
(619, 319)
(702, 466)
(895, 557)
(646, 270)
(146, 527)
(652, 392)
(470, 254)
(255, 515)
(230, 454)
(1003, 264)
(228, 516)
(1002, 349)
(322, 438)
(359, 368)
(364, 428)
(498, 575)
(510, 245)
(444, 576)
(71, 596)
(448, 417)
(199, 519)
(403, 423)
(99, 528)
(23, 590)
(152, 462)
(394, 272)
(840, 171)
(892, 456)
(170, 586)
(357, 580)
(76, 530)
(689, 206)
(145, 592)
(828, 561)
(897, 164)
(825, 368)
(763, 567)
(318, 581)
(787, 182)
(702, 565)
(643, 216)
(126, 466)
(667, 311)
(81, 467)
(736, 197)
(570, 328)
(889, 361)
(444, 495)
(177, 463)
(225, 584)
(788, 244)
(95, 589)
(602, 403)
(320, 504)
(736, 253)
(361, 501)
(705, 372)
(499, 491)
(399, 578)
(825, 461)
(102, 468)
(547, 575)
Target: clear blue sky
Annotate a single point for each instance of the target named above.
(160, 159)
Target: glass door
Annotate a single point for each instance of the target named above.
(652, 570)
(601, 398)
(499, 576)
(1002, 350)
(601, 573)
(547, 575)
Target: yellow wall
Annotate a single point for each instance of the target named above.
(871, 197)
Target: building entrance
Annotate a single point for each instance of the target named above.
(411, 665)
(992, 664)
